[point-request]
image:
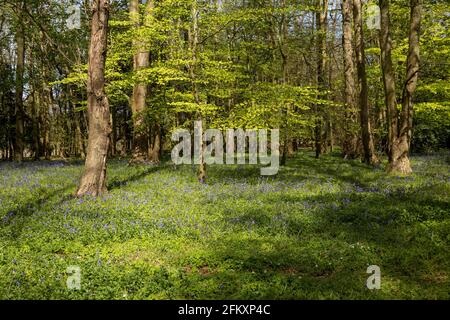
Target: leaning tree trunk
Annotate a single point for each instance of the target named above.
(140, 90)
(93, 181)
(370, 156)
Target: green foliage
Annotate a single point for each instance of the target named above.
(431, 127)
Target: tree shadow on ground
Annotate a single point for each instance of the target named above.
(116, 183)
(17, 217)
(300, 168)
(401, 232)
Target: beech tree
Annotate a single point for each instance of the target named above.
(251, 64)
(370, 156)
(143, 149)
(321, 28)
(20, 64)
(400, 123)
(193, 40)
(93, 181)
(351, 140)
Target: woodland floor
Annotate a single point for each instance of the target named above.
(308, 233)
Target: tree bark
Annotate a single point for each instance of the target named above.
(388, 75)
(193, 44)
(93, 181)
(350, 146)
(113, 137)
(36, 131)
(19, 112)
(154, 150)
(281, 39)
(400, 129)
(79, 136)
(46, 99)
(370, 156)
(140, 90)
(34, 109)
(321, 29)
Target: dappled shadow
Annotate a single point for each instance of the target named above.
(17, 218)
(399, 230)
(303, 166)
(286, 242)
(115, 183)
(349, 171)
(288, 270)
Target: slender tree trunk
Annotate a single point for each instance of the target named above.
(93, 181)
(45, 128)
(10, 148)
(321, 29)
(20, 43)
(370, 156)
(140, 90)
(34, 109)
(46, 99)
(79, 138)
(113, 146)
(329, 138)
(350, 146)
(193, 44)
(412, 72)
(388, 76)
(155, 145)
(286, 137)
(281, 38)
(36, 132)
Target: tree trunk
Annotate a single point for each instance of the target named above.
(321, 29)
(93, 181)
(281, 37)
(20, 42)
(154, 150)
(388, 76)
(113, 146)
(330, 117)
(399, 132)
(193, 44)
(140, 90)
(79, 136)
(36, 132)
(34, 110)
(370, 156)
(46, 101)
(400, 147)
(350, 146)
(286, 137)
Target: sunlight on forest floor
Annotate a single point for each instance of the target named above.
(308, 233)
